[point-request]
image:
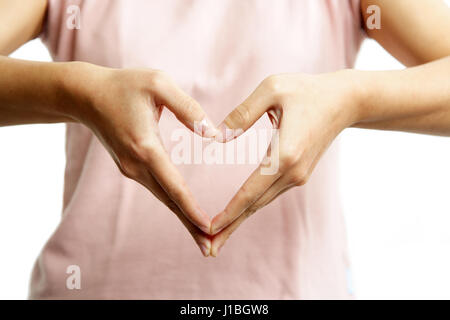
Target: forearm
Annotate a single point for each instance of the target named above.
(38, 92)
(20, 21)
(415, 99)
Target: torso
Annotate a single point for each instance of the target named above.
(127, 244)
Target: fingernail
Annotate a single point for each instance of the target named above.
(205, 250)
(206, 128)
(215, 253)
(205, 223)
(206, 230)
(220, 222)
(216, 230)
(225, 134)
(205, 226)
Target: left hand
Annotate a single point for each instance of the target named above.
(310, 111)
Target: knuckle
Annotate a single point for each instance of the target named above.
(287, 160)
(300, 177)
(177, 194)
(157, 78)
(244, 195)
(144, 149)
(188, 105)
(239, 116)
(277, 88)
(129, 168)
(250, 211)
(273, 83)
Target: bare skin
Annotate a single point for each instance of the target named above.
(122, 107)
(313, 110)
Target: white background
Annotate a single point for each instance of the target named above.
(395, 189)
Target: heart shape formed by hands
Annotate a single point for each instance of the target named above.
(248, 199)
(309, 112)
(127, 123)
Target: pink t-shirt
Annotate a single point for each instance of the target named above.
(126, 243)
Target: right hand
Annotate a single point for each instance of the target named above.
(122, 108)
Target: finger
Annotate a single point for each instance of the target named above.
(245, 115)
(200, 238)
(252, 189)
(170, 179)
(278, 188)
(186, 109)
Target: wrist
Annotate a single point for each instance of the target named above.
(362, 90)
(357, 93)
(347, 96)
(76, 84)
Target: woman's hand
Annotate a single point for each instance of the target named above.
(123, 107)
(310, 111)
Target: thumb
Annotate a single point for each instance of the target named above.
(242, 117)
(188, 111)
